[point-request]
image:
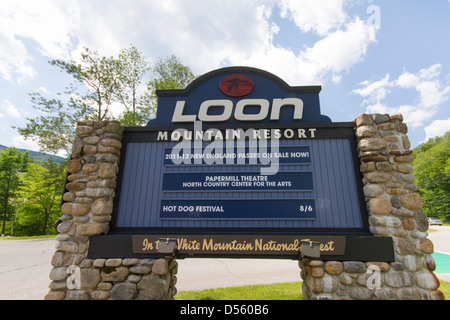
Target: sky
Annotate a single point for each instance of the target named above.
(376, 56)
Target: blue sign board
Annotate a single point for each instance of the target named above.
(270, 100)
(240, 150)
(288, 154)
(237, 181)
(238, 209)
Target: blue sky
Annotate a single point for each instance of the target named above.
(368, 56)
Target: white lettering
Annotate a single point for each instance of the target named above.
(239, 114)
(178, 115)
(278, 103)
(162, 135)
(226, 114)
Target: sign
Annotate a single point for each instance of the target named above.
(236, 209)
(285, 155)
(235, 245)
(239, 153)
(237, 95)
(236, 85)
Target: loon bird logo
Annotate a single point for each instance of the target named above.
(236, 85)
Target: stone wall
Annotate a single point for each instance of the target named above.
(394, 210)
(393, 206)
(92, 175)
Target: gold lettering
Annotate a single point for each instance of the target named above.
(206, 245)
(331, 243)
(184, 244)
(296, 244)
(258, 244)
(233, 245)
(272, 245)
(327, 246)
(146, 245)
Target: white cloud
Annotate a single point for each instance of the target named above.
(426, 82)
(327, 59)
(7, 109)
(204, 34)
(19, 142)
(46, 24)
(14, 59)
(374, 92)
(340, 50)
(309, 16)
(44, 90)
(436, 129)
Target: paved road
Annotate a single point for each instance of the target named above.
(440, 239)
(25, 267)
(236, 272)
(199, 274)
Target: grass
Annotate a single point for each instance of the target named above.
(278, 291)
(27, 237)
(445, 288)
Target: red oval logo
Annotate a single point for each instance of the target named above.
(236, 85)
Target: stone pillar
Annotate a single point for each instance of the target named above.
(92, 176)
(394, 210)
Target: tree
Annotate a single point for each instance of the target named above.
(101, 79)
(12, 162)
(42, 193)
(99, 83)
(132, 69)
(432, 171)
(170, 74)
(88, 97)
(55, 130)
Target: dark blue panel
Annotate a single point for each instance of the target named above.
(238, 209)
(232, 181)
(330, 165)
(266, 86)
(284, 155)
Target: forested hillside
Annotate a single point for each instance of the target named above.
(432, 171)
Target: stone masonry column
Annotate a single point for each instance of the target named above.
(394, 209)
(90, 191)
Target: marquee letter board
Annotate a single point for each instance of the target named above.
(240, 152)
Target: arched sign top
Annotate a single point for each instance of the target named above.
(237, 95)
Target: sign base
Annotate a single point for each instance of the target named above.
(242, 246)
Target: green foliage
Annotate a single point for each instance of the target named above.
(170, 74)
(132, 69)
(12, 163)
(100, 79)
(277, 291)
(55, 129)
(30, 193)
(35, 155)
(41, 198)
(99, 83)
(432, 171)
